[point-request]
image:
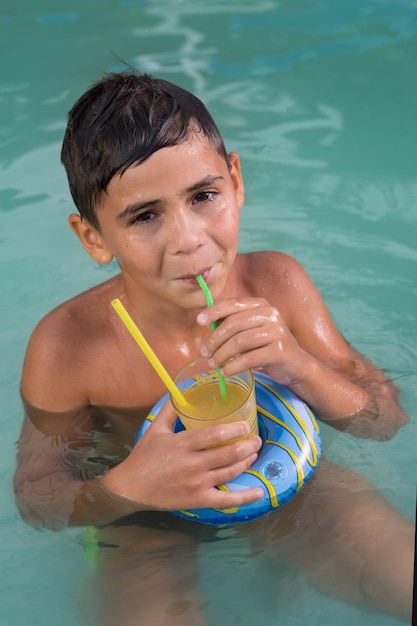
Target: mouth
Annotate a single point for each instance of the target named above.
(191, 278)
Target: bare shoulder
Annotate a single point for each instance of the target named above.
(285, 284)
(270, 262)
(277, 276)
(63, 345)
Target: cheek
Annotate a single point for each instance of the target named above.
(228, 220)
(132, 253)
(229, 209)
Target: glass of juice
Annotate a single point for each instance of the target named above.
(207, 407)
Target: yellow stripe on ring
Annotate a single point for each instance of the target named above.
(297, 418)
(271, 490)
(189, 514)
(303, 447)
(311, 416)
(296, 461)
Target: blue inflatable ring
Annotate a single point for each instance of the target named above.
(287, 459)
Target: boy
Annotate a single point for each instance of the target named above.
(156, 190)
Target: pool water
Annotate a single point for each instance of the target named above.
(318, 97)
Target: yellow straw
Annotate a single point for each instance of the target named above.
(148, 352)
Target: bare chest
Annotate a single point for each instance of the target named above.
(121, 376)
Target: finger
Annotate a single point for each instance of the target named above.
(246, 330)
(248, 320)
(232, 453)
(230, 499)
(228, 307)
(259, 359)
(238, 345)
(230, 472)
(166, 417)
(213, 436)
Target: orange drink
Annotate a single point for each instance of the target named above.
(201, 388)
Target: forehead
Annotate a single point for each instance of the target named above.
(169, 170)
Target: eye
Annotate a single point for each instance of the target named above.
(143, 218)
(204, 196)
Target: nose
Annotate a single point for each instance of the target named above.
(186, 232)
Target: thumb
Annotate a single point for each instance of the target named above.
(167, 416)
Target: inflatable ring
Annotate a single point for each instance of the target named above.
(287, 459)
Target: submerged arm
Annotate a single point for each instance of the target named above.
(358, 398)
(57, 481)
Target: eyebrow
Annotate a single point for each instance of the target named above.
(206, 182)
(133, 209)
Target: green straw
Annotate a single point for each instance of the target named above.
(209, 299)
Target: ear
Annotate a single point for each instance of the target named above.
(236, 175)
(91, 239)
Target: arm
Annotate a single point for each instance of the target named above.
(164, 471)
(56, 483)
(293, 338)
(50, 483)
(378, 416)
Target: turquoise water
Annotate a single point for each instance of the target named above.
(319, 98)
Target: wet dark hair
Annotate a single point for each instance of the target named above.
(122, 120)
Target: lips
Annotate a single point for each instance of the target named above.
(192, 277)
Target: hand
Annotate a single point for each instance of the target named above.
(171, 471)
(252, 334)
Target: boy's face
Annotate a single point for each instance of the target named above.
(172, 217)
